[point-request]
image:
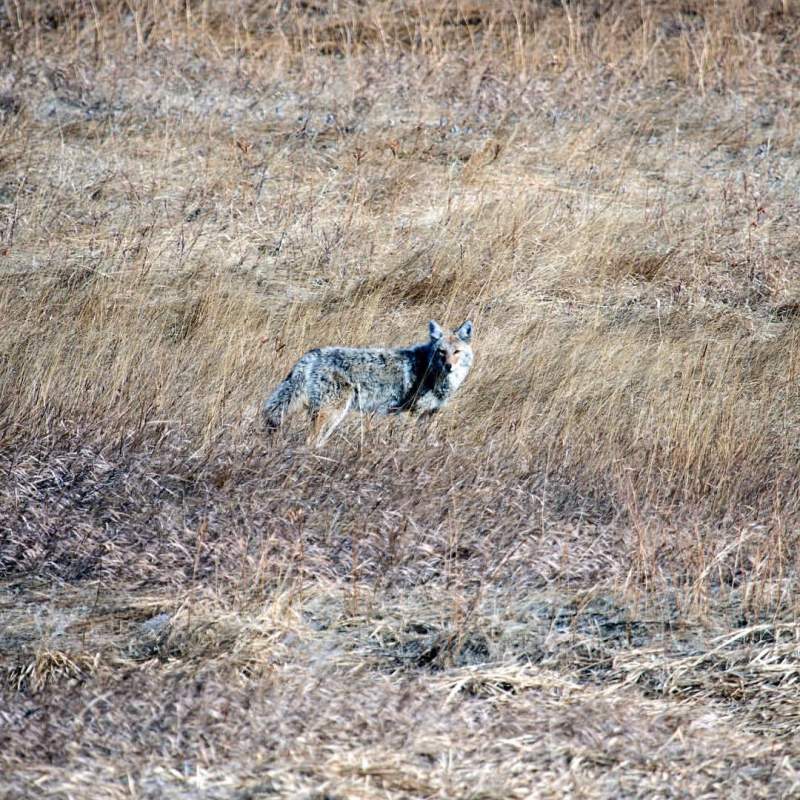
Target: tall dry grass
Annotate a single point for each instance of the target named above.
(604, 522)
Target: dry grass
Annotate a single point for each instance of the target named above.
(582, 581)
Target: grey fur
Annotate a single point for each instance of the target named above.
(418, 379)
(464, 332)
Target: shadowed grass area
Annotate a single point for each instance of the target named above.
(581, 580)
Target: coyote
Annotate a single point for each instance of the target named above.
(331, 381)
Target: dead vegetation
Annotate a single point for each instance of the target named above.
(581, 581)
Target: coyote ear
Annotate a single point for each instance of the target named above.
(464, 332)
(435, 330)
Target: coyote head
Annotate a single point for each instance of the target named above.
(451, 352)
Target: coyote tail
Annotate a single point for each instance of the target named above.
(286, 397)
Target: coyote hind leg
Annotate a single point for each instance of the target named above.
(328, 418)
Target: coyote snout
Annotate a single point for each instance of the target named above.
(331, 381)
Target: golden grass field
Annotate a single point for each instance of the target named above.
(581, 581)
